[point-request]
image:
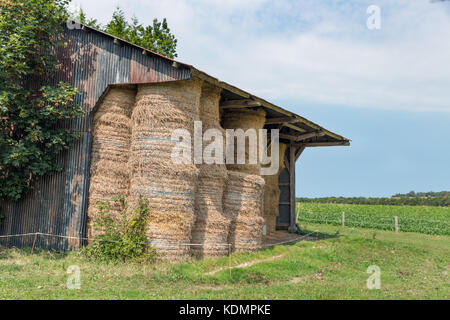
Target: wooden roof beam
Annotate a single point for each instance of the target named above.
(323, 144)
(310, 135)
(238, 104)
(294, 127)
(290, 137)
(295, 138)
(281, 120)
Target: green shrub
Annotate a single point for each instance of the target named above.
(122, 237)
(35, 114)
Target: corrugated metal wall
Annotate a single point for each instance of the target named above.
(58, 204)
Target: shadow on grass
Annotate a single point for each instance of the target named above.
(314, 235)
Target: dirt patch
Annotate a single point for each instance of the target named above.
(213, 288)
(297, 280)
(246, 264)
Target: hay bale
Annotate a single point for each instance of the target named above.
(242, 205)
(244, 119)
(211, 225)
(243, 195)
(169, 188)
(110, 151)
(272, 194)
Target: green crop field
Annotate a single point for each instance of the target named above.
(332, 266)
(422, 219)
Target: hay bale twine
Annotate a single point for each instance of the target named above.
(245, 119)
(110, 150)
(210, 230)
(242, 205)
(169, 188)
(272, 194)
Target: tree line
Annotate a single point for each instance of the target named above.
(156, 37)
(438, 199)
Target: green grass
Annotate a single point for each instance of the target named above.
(413, 266)
(429, 220)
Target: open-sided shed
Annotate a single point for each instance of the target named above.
(94, 62)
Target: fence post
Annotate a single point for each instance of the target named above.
(343, 219)
(229, 258)
(396, 224)
(34, 243)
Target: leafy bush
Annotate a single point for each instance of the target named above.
(122, 237)
(34, 115)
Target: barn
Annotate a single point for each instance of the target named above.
(132, 97)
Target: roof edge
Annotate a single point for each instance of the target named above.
(204, 76)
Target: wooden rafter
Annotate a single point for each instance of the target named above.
(288, 136)
(289, 125)
(323, 144)
(302, 137)
(281, 120)
(238, 104)
(310, 135)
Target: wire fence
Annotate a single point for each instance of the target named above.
(381, 222)
(230, 266)
(35, 237)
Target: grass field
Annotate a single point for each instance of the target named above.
(429, 220)
(413, 266)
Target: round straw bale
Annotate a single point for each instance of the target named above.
(170, 188)
(110, 151)
(242, 205)
(210, 230)
(245, 119)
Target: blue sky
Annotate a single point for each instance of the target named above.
(388, 90)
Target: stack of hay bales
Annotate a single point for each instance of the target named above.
(110, 151)
(272, 194)
(244, 119)
(210, 230)
(243, 195)
(242, 205)
(169, 188)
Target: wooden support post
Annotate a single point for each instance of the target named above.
(343, 219)
(396, 224)
(293, 217)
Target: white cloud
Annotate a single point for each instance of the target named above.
(312, 51)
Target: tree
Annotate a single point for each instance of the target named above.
(159, 39)
(156, 37)
(87, 21)
(118, 26)
(32, 111)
